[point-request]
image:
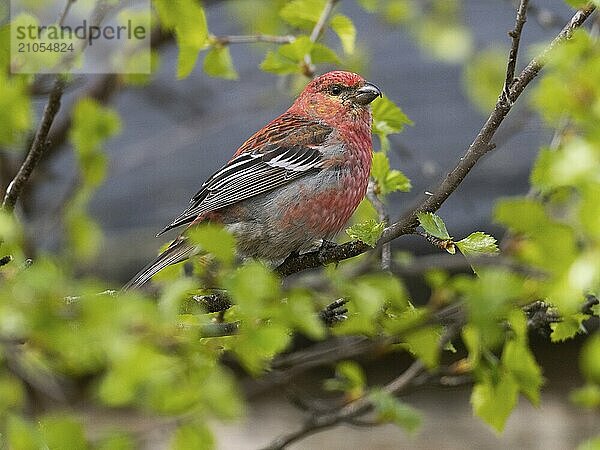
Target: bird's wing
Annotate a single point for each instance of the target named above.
(284, 150)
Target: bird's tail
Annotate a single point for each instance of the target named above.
(178, 251)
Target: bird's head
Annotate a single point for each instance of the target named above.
(337, 94)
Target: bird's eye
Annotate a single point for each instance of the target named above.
(335, 90)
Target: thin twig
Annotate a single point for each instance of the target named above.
(383, 215)
(407, 223)
(252, 38)
(515, 34)
(348, 413)
(309, 68)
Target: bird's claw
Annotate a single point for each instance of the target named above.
(334, 312)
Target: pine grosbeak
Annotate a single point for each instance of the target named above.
(294, 182)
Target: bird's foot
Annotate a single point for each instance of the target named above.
(334, 313)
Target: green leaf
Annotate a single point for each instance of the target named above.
(590, 359)
(370, 6)
(93, 123)
(587, 396)
(390, 409)
(577, 3)
(62, 431)
(368, 232)
(322, 54)
(218, 63)
(590, 444)
(256, 347)
(434, 225)
(388, 180)
(494, 401)
(300, 314)
(477, 243)
(449, 42)
(303, 14)
(483, 78)
(295, 51)
(520, 214)
(344, 28)
(424, 344)
(349, 378)
(289, 57)
(517, 358)
(388, 118)
(274, 62)
(84, 235)
(15, 109)
(22, 435)
(216, 240)
(117, 440)
(471, 337)
(568, 327)
(187, 20)
(251, 288)
(574, 163)
(193, 435)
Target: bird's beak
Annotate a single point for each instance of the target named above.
(367, 93)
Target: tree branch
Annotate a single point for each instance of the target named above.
(407, 223)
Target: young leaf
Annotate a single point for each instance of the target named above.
(368, 232)
(568, 327)
(15, 109)
(192, 435)
(387, 119)
(303, 14)
(388, 180)
(424, 344)
(494, 401)
(288, 57)
(322, 54)
(477, 243)
(434, 225)
(344, 28)
(218, 63)
(390, 409)
(587, 396)
(215, 240)
(349, 378)
(589, 360)
(275, 63)
(517, 358)
(187, 20)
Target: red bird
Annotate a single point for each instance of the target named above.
(294, 182)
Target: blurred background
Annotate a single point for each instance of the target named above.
(175, 133)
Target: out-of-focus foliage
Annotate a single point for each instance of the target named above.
(72, 342)
(482, 76)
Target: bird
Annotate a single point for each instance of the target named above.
(294, 183)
